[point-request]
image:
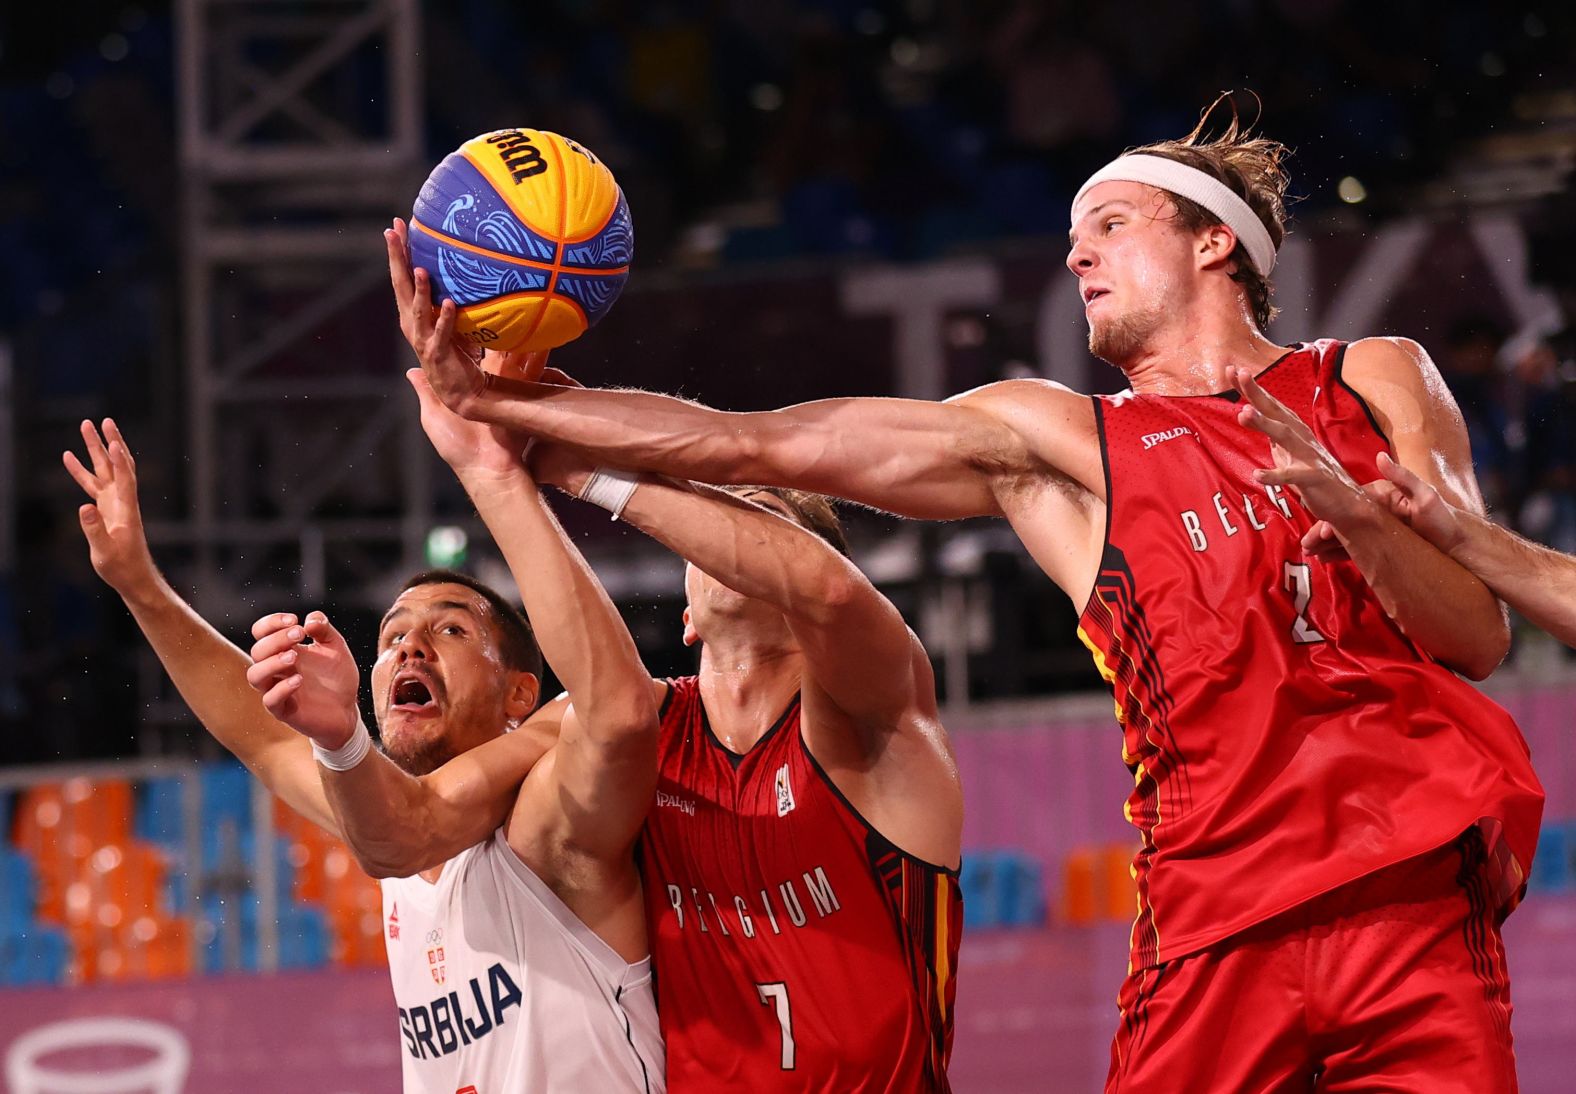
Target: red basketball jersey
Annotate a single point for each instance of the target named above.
(1284, 735)
(795, 948)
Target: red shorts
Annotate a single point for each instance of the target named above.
(1395, 982)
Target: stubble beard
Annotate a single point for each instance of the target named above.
(418, 756)
(1117, 340)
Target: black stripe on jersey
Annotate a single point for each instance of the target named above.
(868, 827)
(1340, 378)
(1105, 469)
(667, 700)
(629, 1035)
(736, 758)
(1114, 588)
(1235, 396)
(916, 920)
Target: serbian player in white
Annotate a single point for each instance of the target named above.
(520, 963)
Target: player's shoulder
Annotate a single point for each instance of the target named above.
(1398, 380)
(1017, 393)
(1035, 409)
(1387, 355)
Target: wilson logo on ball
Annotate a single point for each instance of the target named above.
(529, 267)
(521, 158)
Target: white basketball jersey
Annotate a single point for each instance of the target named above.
(502, 990)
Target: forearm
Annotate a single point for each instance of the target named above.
(1444, 608)
(388, 817)
(579, 630)
(1536, 581)
(911, 458)
(757, 554)
(209, 671)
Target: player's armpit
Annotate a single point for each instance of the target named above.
(1042, 428)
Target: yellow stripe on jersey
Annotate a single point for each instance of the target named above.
(943, 954)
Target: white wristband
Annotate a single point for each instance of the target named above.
(610, 489)
(347, 755)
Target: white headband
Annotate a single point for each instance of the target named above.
(1195, 185)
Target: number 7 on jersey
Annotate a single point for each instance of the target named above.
(776, 993)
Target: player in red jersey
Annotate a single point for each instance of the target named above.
(800, 866)
(1331, 822)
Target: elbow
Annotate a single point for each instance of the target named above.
(1488, 657)
(379, 866)
(386, 860)
(1484, 653)
(825, 596)
(623, 719)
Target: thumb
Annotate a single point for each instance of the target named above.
(1403, 478)
(559, 378)
(92, 524)
(322, 631)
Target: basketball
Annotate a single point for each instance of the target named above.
(528, 233)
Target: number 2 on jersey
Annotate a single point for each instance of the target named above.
(776, 993)
(1299, 583)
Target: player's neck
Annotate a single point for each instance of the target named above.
(1192, 355)
(745, 688)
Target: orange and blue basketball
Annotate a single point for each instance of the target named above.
(528, 233)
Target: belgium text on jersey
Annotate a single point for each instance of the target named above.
(691, 908)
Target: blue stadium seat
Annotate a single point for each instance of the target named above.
(33, 955)
(226, 795)
(1002, 889)
(159, 814)
(1554, 868)
(18, 891)
(303, 937)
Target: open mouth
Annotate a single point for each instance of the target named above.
(1091, 295)
(412, 693)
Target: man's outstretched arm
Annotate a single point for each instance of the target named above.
(208, 670)
(1538, 582)
(395, 823)
(586, 807)
(918, 459)
(869, 695)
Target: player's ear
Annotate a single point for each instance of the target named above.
(1215, 245)
(524, 689)
(691, 635)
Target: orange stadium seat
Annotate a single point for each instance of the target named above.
(1080, 900)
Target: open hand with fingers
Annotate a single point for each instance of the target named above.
(454, 370)
(306, 676)
(1416, 501)
(112, 520)
(1301, 462)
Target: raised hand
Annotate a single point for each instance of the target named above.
(112, 520)
(1301, 462)
(1421, 506)
(310, 686)
(453, 369)
(469, 448)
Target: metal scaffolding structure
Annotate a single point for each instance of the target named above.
(306, 470)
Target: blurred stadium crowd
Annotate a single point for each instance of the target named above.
(748, 132)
